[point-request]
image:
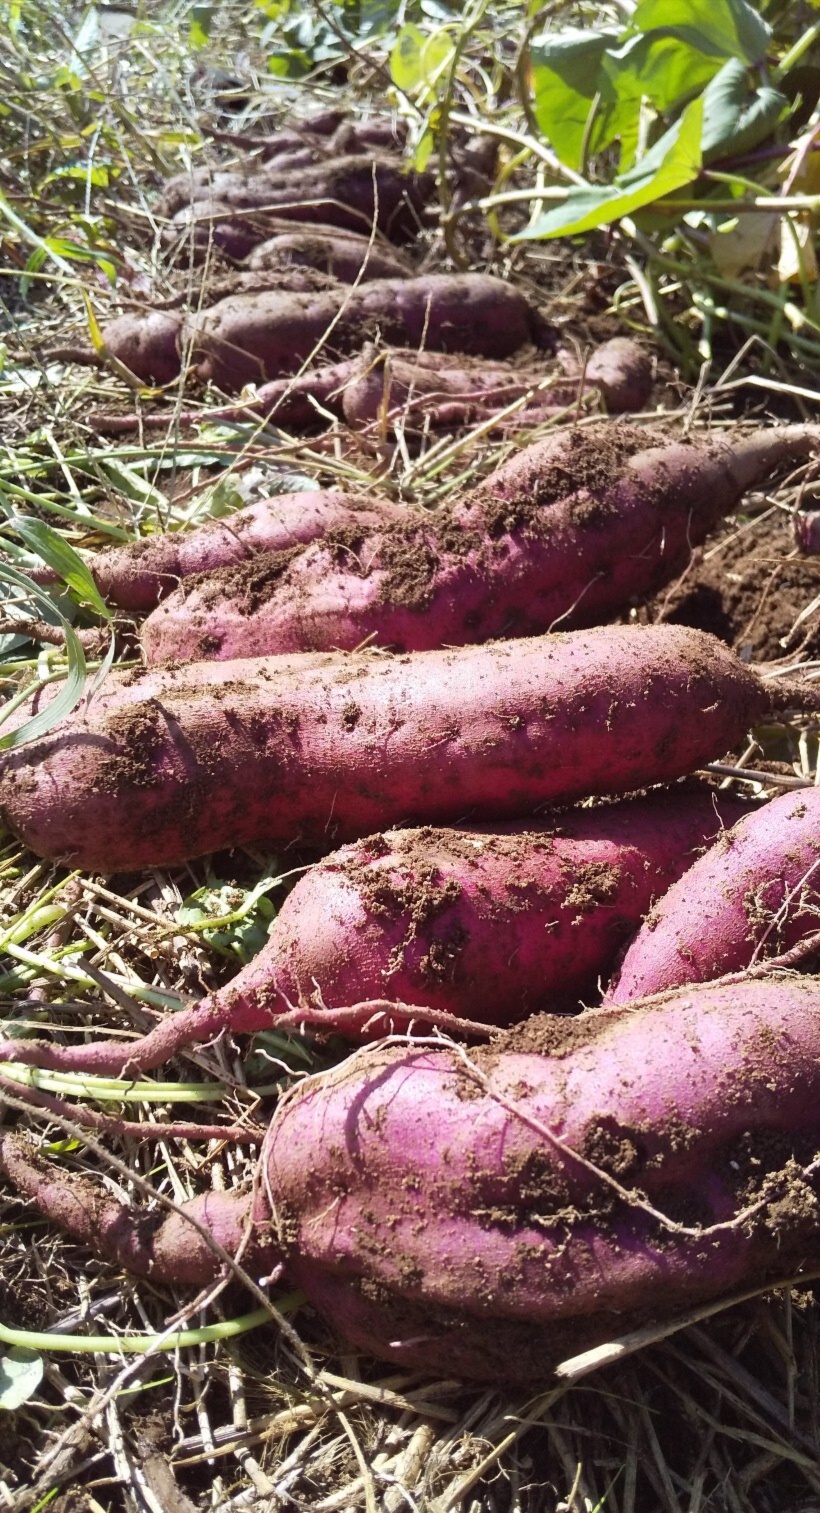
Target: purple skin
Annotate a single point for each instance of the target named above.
(346, 192)
(806, 525)
(500, 562)
(754, 894)
(166, 765)
(488, 924)
(440, 1232)
(347, 258)
(251, 338)
(433, 1218)
(138, 576)
(428, 389)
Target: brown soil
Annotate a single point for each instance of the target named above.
(749, 592)
(591, 462)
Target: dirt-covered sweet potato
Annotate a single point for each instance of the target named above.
(138, 576)
(352, 192)
(168, 764)
(251, 338)
(565, 534)
(417, 391)
(754, 894)
(489, 1216)
(248, 338)
(432, 390)
(482, 924)
(344, 255)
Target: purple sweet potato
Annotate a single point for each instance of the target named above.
(426, 389)
(482, 924)
(211, 225)
(565, 534)
(487, 1218)
(251, 338)
(345, 256)
(147, 343)
(164, 765)
(754, 894)
(138, 576)
(325, 132)
(416, 391)
(351, 192)
(248, 338)
(208, 289)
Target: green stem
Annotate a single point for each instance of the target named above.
(796, 52)
(142, 1344)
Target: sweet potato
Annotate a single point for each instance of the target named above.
(482, 924)
(754, 894)
(209, 288)
(164, 765)
(211, 225)
(434, 390)
(247, 338)
(328, 131)
(137, 576)
(345, 256)
(577, 1180)
(351, 192)
(565, 534)
(420, 390)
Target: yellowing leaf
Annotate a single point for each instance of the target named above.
(94, 331)
(798, 259)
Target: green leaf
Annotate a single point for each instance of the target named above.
(674, 161)
(60, 707)
(735, 118)
(245, 920)
(62, 558)
(417, 61)
(405, 59)
(725, 28)
(658, 67)
(565, 79)
(131, 482)
(21, 1372)
(199, 30)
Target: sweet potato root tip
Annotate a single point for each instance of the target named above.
(165, 1247)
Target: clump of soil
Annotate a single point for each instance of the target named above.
(591, 463)
(750, 592)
